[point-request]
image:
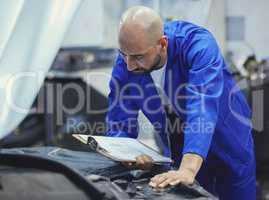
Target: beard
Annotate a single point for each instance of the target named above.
(155, 66)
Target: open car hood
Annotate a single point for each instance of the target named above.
(95, 175)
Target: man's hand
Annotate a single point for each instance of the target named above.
(143, 162)
(173, 177)
(186, 174)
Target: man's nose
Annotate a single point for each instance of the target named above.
(131, 65)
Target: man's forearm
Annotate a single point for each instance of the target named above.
(191, 162)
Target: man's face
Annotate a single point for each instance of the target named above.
(141, 57)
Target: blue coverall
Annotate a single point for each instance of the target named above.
(194, 62)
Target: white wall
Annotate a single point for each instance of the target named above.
(96, 23)
(216, 22)
(87, 28)
(256, 25)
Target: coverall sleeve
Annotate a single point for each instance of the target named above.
(122, 112)
(203, 91)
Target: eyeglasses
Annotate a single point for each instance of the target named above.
(139, 57)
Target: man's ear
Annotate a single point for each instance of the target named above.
(164, 42)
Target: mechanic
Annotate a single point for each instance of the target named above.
(178, 66)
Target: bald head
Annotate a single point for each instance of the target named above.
(141, 24)
(142, 43)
